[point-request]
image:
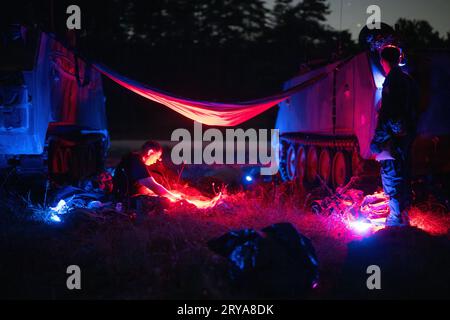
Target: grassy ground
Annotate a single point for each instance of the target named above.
(165, 256)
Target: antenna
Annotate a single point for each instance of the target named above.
(52, 16)
(340, 29)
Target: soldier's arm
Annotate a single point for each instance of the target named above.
(382, 133)
(157, 188)
(381, 137)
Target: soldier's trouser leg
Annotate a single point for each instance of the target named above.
(396, 185)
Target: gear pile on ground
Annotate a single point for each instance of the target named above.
(352, 205)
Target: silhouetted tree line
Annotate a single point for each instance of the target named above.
(420, 35)
(206, 49)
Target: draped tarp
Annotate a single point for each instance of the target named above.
(76, 88)
(209, 113)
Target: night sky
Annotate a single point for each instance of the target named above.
(354, 16)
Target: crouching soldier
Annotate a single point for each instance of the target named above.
(134, 179)
(394, 135)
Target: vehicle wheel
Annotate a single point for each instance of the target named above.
(301, 166)
(311, 165)
(291, 163)
(325, 165)
(340, 170)
(284, 146)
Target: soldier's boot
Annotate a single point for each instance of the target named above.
(395, 220)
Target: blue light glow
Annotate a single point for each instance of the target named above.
(378, 76)
(60, 207)
(249, 178)
(55, 218)
(360, 226)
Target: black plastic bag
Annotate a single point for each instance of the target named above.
(277, 262)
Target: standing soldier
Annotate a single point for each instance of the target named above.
(394, 135)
